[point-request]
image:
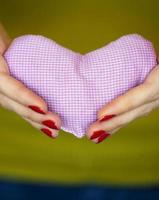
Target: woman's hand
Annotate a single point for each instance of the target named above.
(16, 97)
(137, 102)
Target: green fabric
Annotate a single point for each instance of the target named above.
(128, 157)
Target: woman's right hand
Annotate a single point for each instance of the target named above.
(16, 97)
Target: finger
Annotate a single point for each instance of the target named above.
(49, 132)
(51, 120)
(124, 119)
(121, 120)
(134, 98)
(15, 90)
(101, 138)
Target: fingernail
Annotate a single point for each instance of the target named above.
(36, 109)
(107, 117)
(50, 124)
(102, 137)
(97, 134)
(47, 132)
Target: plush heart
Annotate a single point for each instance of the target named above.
(75, 86)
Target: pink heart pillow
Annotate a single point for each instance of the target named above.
(75, 86)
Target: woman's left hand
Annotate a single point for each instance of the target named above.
(137, 102)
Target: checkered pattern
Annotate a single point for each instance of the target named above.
(75, 86)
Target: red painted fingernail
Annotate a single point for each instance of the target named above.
(50, 124)
(37, 109)
(47, 132)
(106, 117)
(102, 137)
(97, 134)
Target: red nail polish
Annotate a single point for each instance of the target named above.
(97, 134)
(36, 109)
(107, 117)
(47, 132)
(50, 124)
(102, 137)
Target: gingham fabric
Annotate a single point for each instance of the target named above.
(76, 86)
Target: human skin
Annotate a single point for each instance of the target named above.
(16, 97)
(135, 103)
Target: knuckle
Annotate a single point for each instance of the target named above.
(119, 122)
(32, 123)
(131, 101)
(147, 109)
(126, 104)
(28, 114)
(147, 112)
(20, 89)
